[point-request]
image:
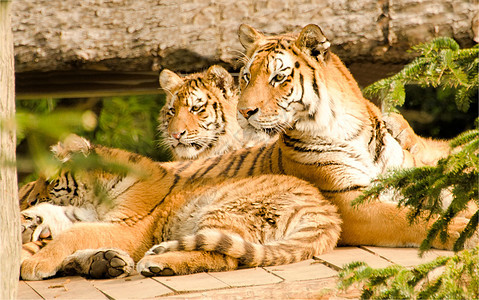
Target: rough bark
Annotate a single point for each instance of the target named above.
(128, 35)
(9, 209)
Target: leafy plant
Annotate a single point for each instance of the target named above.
(123, 122)
(452, 277)
(441, 63)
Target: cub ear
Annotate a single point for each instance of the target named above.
(219, 77)
(312, 41)
(169, 80)
(248, 36)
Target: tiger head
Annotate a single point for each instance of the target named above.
(199, 117)
(291, 81)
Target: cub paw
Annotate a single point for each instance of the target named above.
(37, 269)
(29, 224)
(162, 248)
(154, 267)
(43, 221)
(72, 144)
(99, 263)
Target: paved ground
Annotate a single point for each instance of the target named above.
(312, 279)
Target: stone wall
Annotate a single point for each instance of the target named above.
(147, 35)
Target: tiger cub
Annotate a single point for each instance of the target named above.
(214, 225)
(199, 119)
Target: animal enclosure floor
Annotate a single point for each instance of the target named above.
(311, 279)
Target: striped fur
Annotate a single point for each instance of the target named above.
(260, 221)
(331, 136)
(275, 218)
(31, 248)
(199, 119)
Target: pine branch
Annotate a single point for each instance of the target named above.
(452, 277)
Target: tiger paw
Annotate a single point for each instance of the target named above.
(401, 130)
(162, 248)
(43, 221)
(154, 265)
(29, 225)
(72, 144)
(454, 229)
(98, 263)
(36, 268)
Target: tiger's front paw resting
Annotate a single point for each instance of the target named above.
(152, 265)
(37, 269)
(149, 268)
(98, 263)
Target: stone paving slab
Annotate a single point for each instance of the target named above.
(72, 287)
(344, 255)
(246, 277)
(312, 289)
(304, 270)
(408, 256)
(26, 292)
(193, 282)
(132, 287)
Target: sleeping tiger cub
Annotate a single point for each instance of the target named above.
(199, 119)
(212, 225)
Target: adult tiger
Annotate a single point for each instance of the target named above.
(201, 226)
(199, 119)
(333, 136)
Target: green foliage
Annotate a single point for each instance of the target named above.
(128, 123)
(131, 124)
(441, 63)
(452, 277)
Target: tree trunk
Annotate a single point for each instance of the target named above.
(9, 208)
(187, 36)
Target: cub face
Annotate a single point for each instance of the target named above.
(197, 110)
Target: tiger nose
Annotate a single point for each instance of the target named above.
(248, 112)
(178, 135)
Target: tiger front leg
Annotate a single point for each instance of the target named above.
(185, 262)
(98, 263)
(48, 261)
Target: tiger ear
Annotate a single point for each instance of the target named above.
(219, 77)
(312, 41)
(169, 80)
(248, 36)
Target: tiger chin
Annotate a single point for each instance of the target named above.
(215, 225)
(199, 119)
